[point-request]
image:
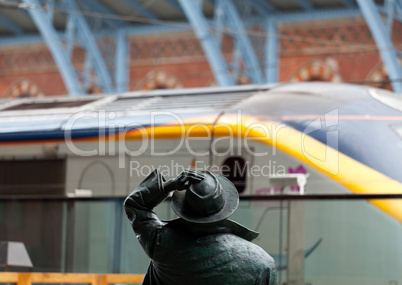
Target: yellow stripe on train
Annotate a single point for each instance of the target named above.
(348, 172)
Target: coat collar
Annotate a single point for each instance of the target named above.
(225, 226)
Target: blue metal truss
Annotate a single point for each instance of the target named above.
(77, 33)
(263, 6)
(122, 56)
(392, 10)
(54, 43)
(116, 29)
(174, 4)
(193, 11)
(383, 41)
(96, 6)
(398, 11)
(88, 42)
(9, 25)
(381, 33)
(305, 4)
(21, 40)
(243, 44)
(317, 15)
(50, 5)
(130, 31)
(348, 3)
(227, 21)
(272, 55)
(140, 9)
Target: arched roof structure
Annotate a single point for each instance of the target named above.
(66, 24)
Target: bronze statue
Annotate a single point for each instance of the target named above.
(202, 246)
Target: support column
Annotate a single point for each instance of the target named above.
(194, 14)
(8, 24)
(89, 42)
(53, 41)
(384, 43)
(242, 39)
(271, 51)
(79, 33)
(122, 68)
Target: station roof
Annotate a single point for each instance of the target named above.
(66, 24)
(14, 19)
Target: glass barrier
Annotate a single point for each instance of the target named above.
(313, 240)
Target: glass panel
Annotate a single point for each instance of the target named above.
(329, 241)
(360, 244)
(312, 241)
(39, 225)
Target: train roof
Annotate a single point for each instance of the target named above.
(275, 100)
(205, 98)
(367, 121)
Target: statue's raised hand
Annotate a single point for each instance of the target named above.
(183, 180)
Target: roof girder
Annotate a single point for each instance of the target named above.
(95, 5)
(211, 41)
(242, 42)
(88, 41)
(227, 21)
(271, 50)
(263, 6)
(122, 57)
(305, 4)
(10, 25)
(136, 6)
(53, 41)
(77, 29)
(383, 42)
(193, 12)
(174, 4)
(348, 3)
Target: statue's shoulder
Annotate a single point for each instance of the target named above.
(246, 250)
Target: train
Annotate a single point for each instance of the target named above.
(341, 138)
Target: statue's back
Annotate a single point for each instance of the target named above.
(212, 259)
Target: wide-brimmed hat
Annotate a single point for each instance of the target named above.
(213, 199)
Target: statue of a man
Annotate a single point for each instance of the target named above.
(202, 246)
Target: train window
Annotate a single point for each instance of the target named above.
(32, 177)
(387, 97)
(47, 105)
(235, 169)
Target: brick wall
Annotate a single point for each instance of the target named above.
(340, 50)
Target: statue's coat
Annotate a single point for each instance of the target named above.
(187, 253)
